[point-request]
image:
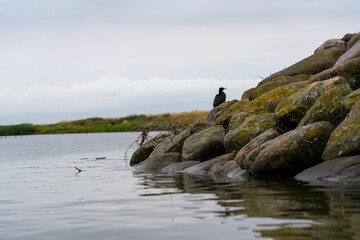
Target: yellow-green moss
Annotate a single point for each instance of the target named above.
(328, 107)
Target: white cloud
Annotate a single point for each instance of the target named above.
(115, 96)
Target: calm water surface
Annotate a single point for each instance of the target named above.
(42, 197)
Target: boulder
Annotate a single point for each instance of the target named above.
(179, 167)
(204, 145)
(338, 170)
(291, 110)
(328, 107)
(229, 169)
(345, 140)
(251, 128)
(158, 161)
(332, 43)
(204, 167)
(276, 82)
(350, 70)
(246, 95)
(144, 151)
(353, 40)
(241, 157)
(351, 53)
(351, 99)
(313, 64)
(224, 117)
(217, 111)
(294, 151)
(237, 120)
(175, 143)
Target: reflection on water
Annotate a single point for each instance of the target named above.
(279, 209)
(42, 197)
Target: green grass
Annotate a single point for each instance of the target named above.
(159, 122)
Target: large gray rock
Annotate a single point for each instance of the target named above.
(291, 110)
(294, 151)
(217, 111)
(345, 140)
(252, 127)
(353, 52)
(204, 167)
(144, 151)
(243, 158)
(318, 62)
(158, 161)
(332, 43)
(351, 99)
(228, 169)
(340, 170)
(204, 145)
(329, 107)
(175, 143)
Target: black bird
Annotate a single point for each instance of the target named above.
(220, 97)
(79, 170)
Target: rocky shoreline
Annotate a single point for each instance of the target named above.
(301, 122)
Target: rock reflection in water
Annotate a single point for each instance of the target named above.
(297, 211)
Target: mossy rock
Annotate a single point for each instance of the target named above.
(175, 143)
(243, 157)
(328, 107)
(351, 99)
(217, 111)
(294, 151)
(291, 110)
(353, 40)
(350, 70)
(237, 120)
(266, 103)
(204, 145)
(313, 64)
(246, 95)
(332, 43)
(251, 128)
(144, 151)
(324, 75)
(276, 82)
(345, 140)
(225, 116)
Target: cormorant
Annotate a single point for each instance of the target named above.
(220, 97)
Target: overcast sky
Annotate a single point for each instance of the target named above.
(71, 59)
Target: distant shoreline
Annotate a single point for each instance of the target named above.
(131, 123)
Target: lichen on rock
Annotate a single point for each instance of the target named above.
(251, 128)
(345, 140)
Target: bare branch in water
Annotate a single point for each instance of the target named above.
(141, 140)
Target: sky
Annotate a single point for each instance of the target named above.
(73, 59)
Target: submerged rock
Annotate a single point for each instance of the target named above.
(345, 140)
(158, 161)
(204, 145)
(293, 151)
(179, 167)
(251, 128)
(229, 169)
(204, 167)
(338, 170)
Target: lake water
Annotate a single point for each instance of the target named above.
(42, 197)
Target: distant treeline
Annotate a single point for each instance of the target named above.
(159, 122)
